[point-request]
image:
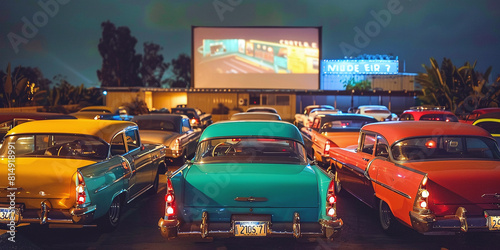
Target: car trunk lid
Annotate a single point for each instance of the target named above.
(42, 177)
(251, 185)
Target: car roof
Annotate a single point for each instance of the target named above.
(372, 107)
(33, 115)
(256, 116)
(271, 129)
(263, 109)
(485, 110)
(493, 115)
(397, 130)
(159, 116)
(333, 117)
(104, 129)
(93, 108)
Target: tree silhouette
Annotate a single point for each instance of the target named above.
(20, 86)
(120, 63)
(152, 68)
(181, 70)
(460, 90)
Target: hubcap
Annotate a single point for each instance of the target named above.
(114, 212)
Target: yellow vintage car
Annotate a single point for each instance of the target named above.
(74, 173)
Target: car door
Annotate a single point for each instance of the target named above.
(354, 174)
(119, 147)
(141, 161)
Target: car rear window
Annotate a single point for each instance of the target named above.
(439, 117)
(56, 145)
(251, 150)
(451, 148)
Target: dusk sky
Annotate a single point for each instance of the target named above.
(66, 33)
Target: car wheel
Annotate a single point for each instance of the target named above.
(387, 220)
(110, 220)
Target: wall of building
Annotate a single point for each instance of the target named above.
(393, 82)
(167, 99)
(115, 99)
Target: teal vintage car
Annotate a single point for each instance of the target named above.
(75, 173)
(250, 179)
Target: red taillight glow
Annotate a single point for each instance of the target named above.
(81, 196)
(331, 200)
(170, 211)
(423, 204)
(327, 148)
(169, 185)
(430, 144)
(169, 199)
(331, 212)
(195, 121)
(425, 193)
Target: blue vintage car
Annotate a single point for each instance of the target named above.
(250, 179)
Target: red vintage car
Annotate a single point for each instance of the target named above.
(434, 177)
(428, 115)
(332, 130)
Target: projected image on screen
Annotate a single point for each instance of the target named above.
(236, 56)
(263, 57)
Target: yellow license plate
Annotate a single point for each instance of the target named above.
(7, 215)
(494, 222)
(250, 228)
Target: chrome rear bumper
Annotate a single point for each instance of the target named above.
(429, 224)
(175, 228)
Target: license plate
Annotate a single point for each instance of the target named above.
(7, 215)
(250, 228)
(494, 222)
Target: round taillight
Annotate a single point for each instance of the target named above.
(425, 193)
(423, 204)
(332, 199)
(80, 189)
(169, 197)
(331, 211)
(170, 210)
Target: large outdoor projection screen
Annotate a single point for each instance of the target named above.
(256, 57)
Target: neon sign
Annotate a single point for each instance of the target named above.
(362, 67)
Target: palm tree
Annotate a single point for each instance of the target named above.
(458, 89)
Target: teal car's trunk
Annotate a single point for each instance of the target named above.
(276, 189)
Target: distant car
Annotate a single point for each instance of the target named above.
(122, 115)
(262, 109)
(255, 116)
(428, 115)
(173, 131)
(379, 112)
(12, 119)
(434, 177)
(319, 111)
(491, 123)
(332, 130)
(198, 118)
(91, 112)
(250, 179)
(475, 114)
(302, 119)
